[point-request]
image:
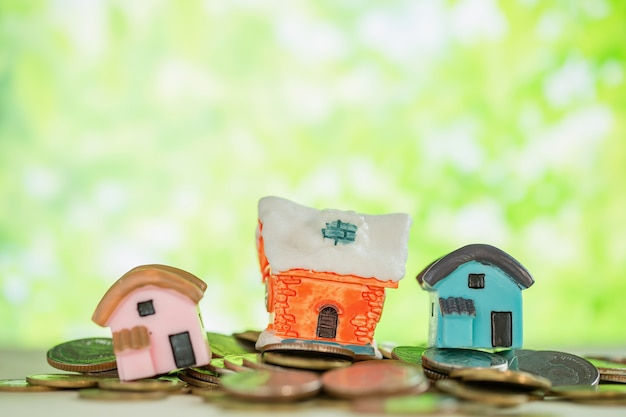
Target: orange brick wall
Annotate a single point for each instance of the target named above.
(296, 297)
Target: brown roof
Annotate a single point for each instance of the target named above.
(162, 276)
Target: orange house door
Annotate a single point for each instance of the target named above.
(327, 323)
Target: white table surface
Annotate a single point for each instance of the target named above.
(19, 364)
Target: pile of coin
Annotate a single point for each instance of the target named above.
(409, 379)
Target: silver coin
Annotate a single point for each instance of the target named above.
(559, 367)
(446, 360)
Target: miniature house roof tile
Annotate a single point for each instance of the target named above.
(162, 276)
(342, 242)
(485, 254)
(457, 305)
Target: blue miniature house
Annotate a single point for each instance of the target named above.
(476, 298)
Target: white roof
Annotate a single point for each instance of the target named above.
(293, 239)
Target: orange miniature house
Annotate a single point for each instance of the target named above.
(153, 314)
(326, 272)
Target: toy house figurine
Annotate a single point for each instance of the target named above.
(326, 271)
(152, 311)
(476, 299)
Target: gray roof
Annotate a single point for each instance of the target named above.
(457, 305)
(485, 254)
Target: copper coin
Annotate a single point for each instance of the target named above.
(447, 360)
(302, 360)
(560, 368)
(428, 403)
(22, 385)
(63, 380)
(197, 382)
(203, 374)
(272, 385)
(310, 347)
(108, 395)
(485, 396)
(374, 378)
(83, 355)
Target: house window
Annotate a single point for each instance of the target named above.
(145, 308)
(476, 281)
(339, 231)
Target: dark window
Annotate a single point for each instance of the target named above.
(476, 280)
(327, 323)
(145, 308)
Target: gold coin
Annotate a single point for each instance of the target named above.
(22, 385)
(314, 363)
(141, 384)
(209, 391)
(601, 392)
(248, 336)
(84, 355)
(258, 364)
(320, 348)
(491, 397)
(110, 395)
(510, 379)
(63, 380)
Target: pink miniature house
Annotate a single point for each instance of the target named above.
(152, 311)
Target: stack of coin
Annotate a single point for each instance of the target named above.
(307, 374)
(93, 355)
(309, 356)
(610, 370)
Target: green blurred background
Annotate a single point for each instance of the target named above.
(145, 132)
